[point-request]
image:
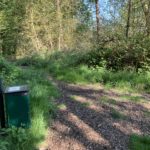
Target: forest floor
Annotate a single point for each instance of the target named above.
(91, 117)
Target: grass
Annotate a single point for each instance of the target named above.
(73, 97)
(106, 100)
(72, 71)
(85, 104)
(68, 67)
(62, 107)
(117, 115)
(132, 98)
(42, 107)
(147, 113)
(139, 142)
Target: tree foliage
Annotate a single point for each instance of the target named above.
(42, 26)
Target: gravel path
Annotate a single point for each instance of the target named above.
(88, 119)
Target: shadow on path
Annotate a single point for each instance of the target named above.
(94, 129)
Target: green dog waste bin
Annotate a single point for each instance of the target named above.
(17, 106)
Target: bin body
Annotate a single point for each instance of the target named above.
(2, 110)
(17, 107)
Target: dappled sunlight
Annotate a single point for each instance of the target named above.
(89, 132)
(95, 118)
(61, 128)
(86, 102)
(146, 105)
(127, 127)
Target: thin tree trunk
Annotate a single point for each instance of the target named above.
(36, 43)
(97, 16)
(60, 24)
(128, 20)
(49, 37)
(146, 10)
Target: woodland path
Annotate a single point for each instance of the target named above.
(93, 118)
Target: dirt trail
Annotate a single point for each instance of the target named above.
(87, 119)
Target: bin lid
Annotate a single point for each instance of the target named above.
(16, 89)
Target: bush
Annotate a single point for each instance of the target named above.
(8, 71)
(131, 54)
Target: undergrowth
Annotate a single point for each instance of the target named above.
(64, 66)
(74, 71)
(42, 106)
(69, 67)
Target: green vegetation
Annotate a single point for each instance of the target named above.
(107, 100)
(117, 115)
(85, 104)
(76, 42)
(65, 67)
(132, 98)
(147, 113)
(42, 94)
(68, 67)
(139, 142)
(62, 107)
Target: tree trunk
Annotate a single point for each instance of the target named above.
(59, 24)
(97, 16)
(36, 43)
(128, 20)
(146, 10)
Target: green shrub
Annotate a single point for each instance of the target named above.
(3, 144)
(131, 54)
(8, 72)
